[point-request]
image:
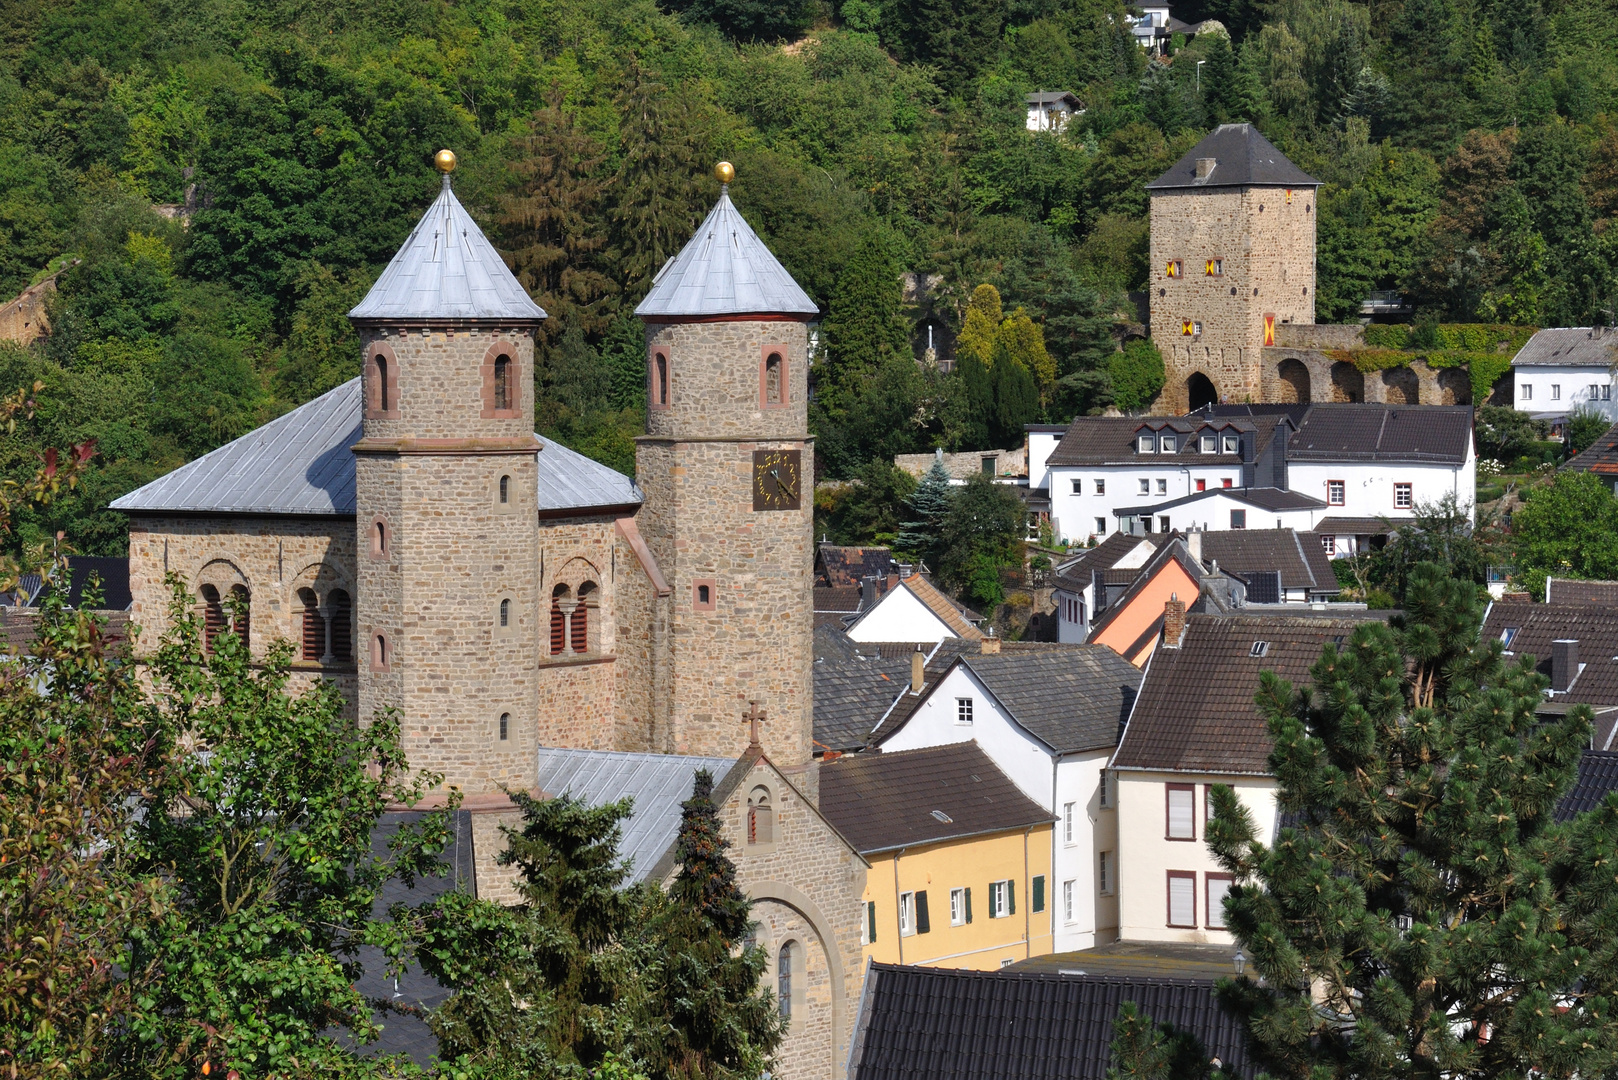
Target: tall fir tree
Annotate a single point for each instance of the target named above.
(980, 325)
(1016, 399)
(928, 506)
(1422, 913)
(863, 322)
(623, 353)
(718, 1022)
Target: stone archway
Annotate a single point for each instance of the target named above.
(1454, 387)
(1200, 391)
(1347, 382)
(1401, 387)
(1293, 385)
(797, 901)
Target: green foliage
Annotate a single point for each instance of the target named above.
(868, 509)
(1426, 915)
(1568, 528)
(981, 534)
(1439, 533)
(1137, 374)
(921, 533)
(1503, 434)
(1142, 1050)
(1584, 428)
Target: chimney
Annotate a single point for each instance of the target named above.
(1173, 621)
(1205, 167)
(1564, 664)
(918, 671)
(1193, 544)
(991, 644)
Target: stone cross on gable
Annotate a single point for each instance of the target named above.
(754, 717)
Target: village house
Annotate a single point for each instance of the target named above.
(1565, 370)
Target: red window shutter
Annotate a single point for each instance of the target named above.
(581, 628)
(213, 623)
(314, 632)
(558, 629)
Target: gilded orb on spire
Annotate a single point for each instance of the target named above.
(444, 161)
(724, 172)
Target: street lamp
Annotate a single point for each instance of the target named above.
(1240, 961)
(1199, 75)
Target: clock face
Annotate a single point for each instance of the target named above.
(777, 479)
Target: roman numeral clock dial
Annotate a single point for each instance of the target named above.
(777, 479)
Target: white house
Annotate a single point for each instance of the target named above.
(1116, 560)
(1049, 718)
(1050, 110)
(1223, 508)
(912, 609)
(1104, 462)
(1195, 725)
(1566, 370)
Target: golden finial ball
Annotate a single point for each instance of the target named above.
(444, 161)
(724, 172)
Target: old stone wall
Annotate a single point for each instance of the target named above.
(640, 692)
(26, 318)
(442, 381)
(716, 380)
(1242, 254)
(1305, 375)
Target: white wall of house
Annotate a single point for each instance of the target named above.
(1214, 514)
(1372, 490)
(1146, 858)
(1560, 389)
(1073, 610)
(1083, 497)
(1050, 781)
(900, 616)
(1040, 446)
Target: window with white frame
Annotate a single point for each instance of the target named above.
(1163, 525)
(1595, 391)
(1213, 904)
(1606, 392)
(1067, 823)
(1145, 486)
(1403, 496)
(1210, 444)
(1181, 809)
(957, 907)
(1101, 487)
(1556, 391)
(1182, 899)
(1527, 391)
(1336, 492)
(1104, 790)
(1002, 899)
(963, 710)
(1166, 444)
(1146, 444)
(1067, 901)
(1105, 873)
(1328, 544)
(1233, 444)
(1078, 487)
(907, 913)
(1162, 486)
(1101, 526)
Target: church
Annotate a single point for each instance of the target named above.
(525, 609)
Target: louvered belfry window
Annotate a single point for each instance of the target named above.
(213, 617)
(314, 627)
(342, 625)
(502, 382)
(558, 627)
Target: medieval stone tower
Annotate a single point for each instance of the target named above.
(1233, 256)
(447, 543)
(727, 467)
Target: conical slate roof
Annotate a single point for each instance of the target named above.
(1242, 157)
(447, 269)
(725, 269)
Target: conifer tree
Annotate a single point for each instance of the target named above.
(1421, 913)
(863, 324)
(980, 326)
(1024, 342)
(928, 505)
(623, 353)
(662, 185)
(1016, 398)
(717, 1020)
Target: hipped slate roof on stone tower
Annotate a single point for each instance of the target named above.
(447, 269)
(725, 269)
(1241, 157)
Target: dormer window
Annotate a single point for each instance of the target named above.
(1147, 444)
(1168, 444)
(1233, 444)
(1210, 444)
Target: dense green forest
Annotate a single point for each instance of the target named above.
(223, 179)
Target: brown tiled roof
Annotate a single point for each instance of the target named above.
(1110, 440)
(1534, 626)
(1600, 456)
(1298, 556)
(841, 566)
(1418, 434)
(1196, 711)
(955, 616)
(1075, 575)
(887, 801)
(1354, 526)
(1573, 591)
(840, 598)
(19, 627)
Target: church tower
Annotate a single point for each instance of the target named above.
(728, 471)
(1233, 256)
(446, 621)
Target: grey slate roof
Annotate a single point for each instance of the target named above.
(1296, 556)
(1598, 776)
(447, 269)
(1584, 346)
(658, 783)
(1112, 440)
(301, 463)
(852, 694)
(724, 269)
(1244, 158)
(1265, 498)
(1415, 434)
(949, 1024)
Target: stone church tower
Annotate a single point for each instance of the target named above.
(447, 540)
(727, 467)
(1233, 256)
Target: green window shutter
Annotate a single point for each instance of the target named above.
(968, 903)
(1039, 894)
(1011, 898)
(923, 923)
(870, 918)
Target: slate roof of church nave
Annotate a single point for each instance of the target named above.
(301, 463)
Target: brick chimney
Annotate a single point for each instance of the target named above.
(1564, 664)
(1173, 621)
(918, 671)
(991, 644)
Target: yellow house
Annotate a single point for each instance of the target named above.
(960, 857)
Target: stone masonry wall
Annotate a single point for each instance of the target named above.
(699, 522)
(273, 557)
(1265, 241)
(441, 383)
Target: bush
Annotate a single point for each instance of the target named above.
(1137, 375)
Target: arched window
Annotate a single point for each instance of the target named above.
(783, 980)
(558, 620)
(505, 725)
(383, 402)
(242, 602)
(660, 379)
(502, 383)
(505, 489)
(505, 614)
(379, 653)
(379, 539)
(760, 817)
(340, 618)
(314, 627)
(774, 380)
(579, 621)
(213, 617)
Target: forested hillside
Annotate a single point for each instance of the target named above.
(1469, 147)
